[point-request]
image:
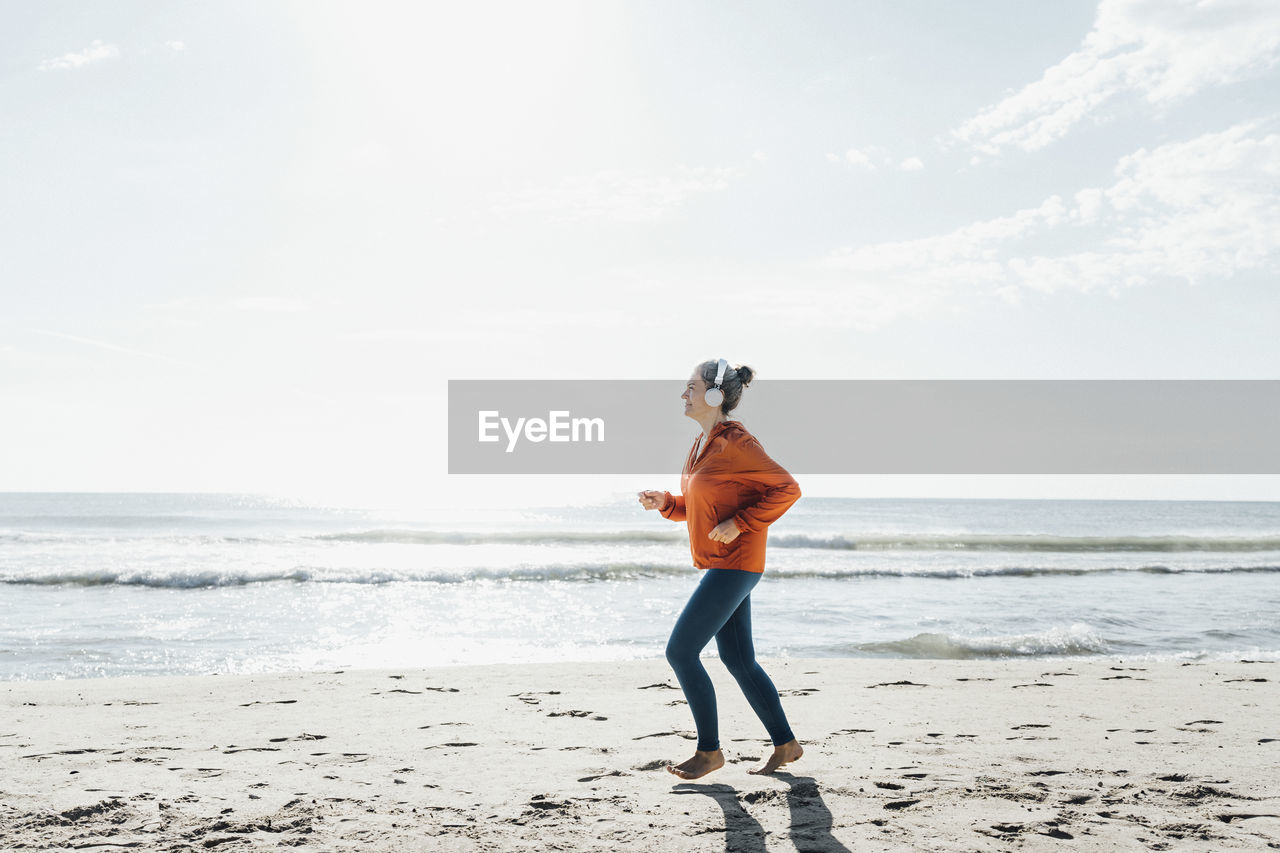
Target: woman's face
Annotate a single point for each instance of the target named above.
(694, 406)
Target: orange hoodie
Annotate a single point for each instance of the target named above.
(731, 477)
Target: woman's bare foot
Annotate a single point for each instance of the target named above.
(701, 764)
(784, 754)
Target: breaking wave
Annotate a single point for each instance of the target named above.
(1078, 639)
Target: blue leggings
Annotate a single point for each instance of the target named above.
(721, 607)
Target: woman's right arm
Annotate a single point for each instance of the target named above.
(671, 506)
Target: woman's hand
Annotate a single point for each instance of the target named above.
(725, 531)
(652, 499)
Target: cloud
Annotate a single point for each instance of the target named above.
(109, 346)
(277, 304)
(176, 46)
(1196, 211)
(467, 324)
(873, 157)
(96, 52)
(858, 157)
(1160, 50)
(615, 195)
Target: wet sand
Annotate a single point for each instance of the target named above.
(899, 755)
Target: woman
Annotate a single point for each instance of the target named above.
(732, 491)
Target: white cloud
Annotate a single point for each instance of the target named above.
(759, 156)
(1194, 211)
(1160, 50)
(176, 46)
(388, 336)
(615, 195)
(277, 304)
(95, 52)
(108, 346)
(859, 158)
(873, 158)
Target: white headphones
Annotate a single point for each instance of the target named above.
(713, 396)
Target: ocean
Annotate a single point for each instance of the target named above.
(165, 584)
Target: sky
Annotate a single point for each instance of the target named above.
(245, 245)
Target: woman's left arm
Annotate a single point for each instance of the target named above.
(778, 489)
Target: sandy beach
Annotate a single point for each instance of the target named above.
(900, 755)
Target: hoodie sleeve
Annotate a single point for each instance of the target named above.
(673, 507)
(778, 490)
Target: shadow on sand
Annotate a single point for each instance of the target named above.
(810, 818)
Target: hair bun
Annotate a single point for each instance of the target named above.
(745, 374)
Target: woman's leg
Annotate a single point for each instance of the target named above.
(718, 595)
(737, 652)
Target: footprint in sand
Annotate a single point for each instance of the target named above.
(575, 714)
(1206, 792)
(603, 775)
(1009, 831)
(1227, 818)
(61, 752)
(900, 804)
(235, 749)
(530, 697)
